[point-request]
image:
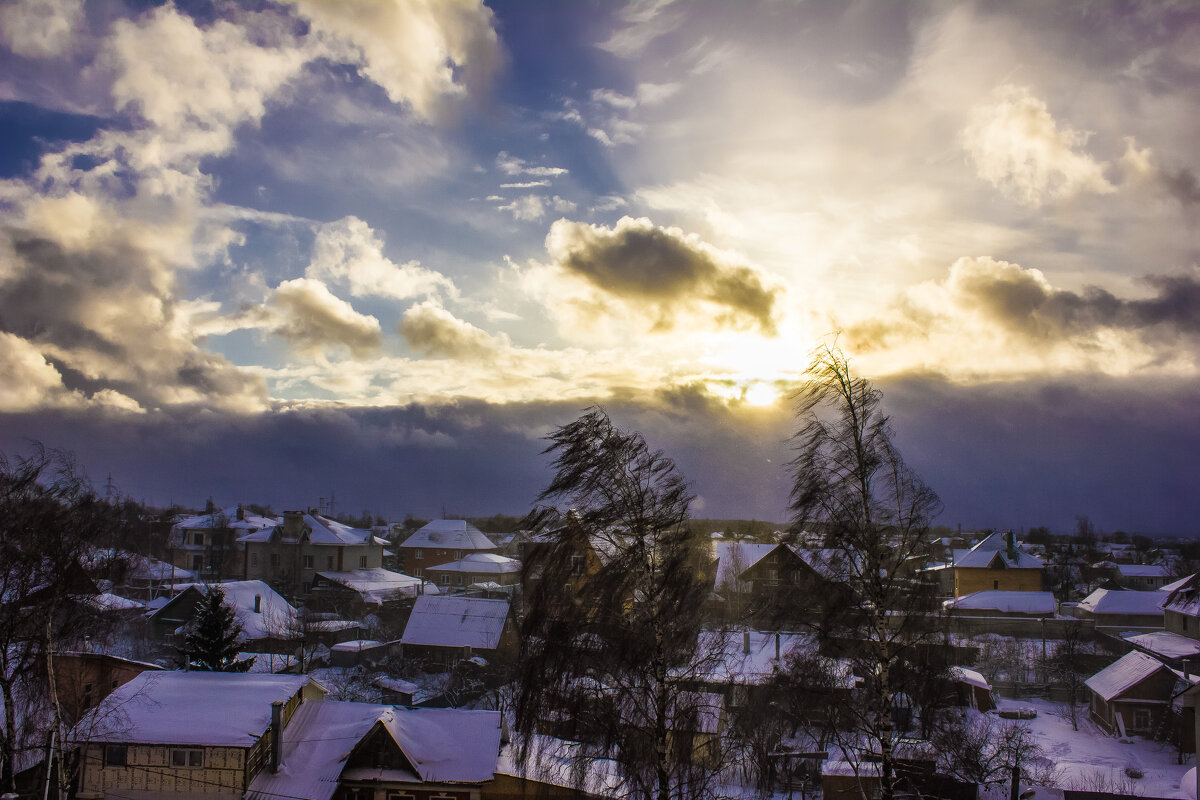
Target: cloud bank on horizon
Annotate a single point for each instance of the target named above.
(340, 209)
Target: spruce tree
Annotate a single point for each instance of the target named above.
(214, 637)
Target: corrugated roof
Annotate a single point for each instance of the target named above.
(452, 534)
(379, 584)
(1010, 602)
(456, 622)
(1123, 674)
(1143, 570)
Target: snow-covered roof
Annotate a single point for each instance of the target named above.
(1042, 603)
(275, 616)
(725, 658)
(734, 558)
(150, 569)
(379, 585)
(448, 621)
(1118, 601)
(189, 708)
(327, 531)
(1170, 587)
(442, 745)
(356, 646)
(993, 553)
(224, 518)
(490, 563)
(113, 602)
(1166, 644)
(1123, 674)
(452, 534)
(970, 676)
(1143, 570)
(1185, 599)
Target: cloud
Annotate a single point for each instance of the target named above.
(511, 165)
(349, 252)
(662, 269)
(641, 23)
(1180, 184)
(95, 293)
(533, 207)
(39, 28)
(1017, 146)
(434, 331)
(995, 316)
(314, 321)
(421, 52)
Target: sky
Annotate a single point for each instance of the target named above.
(273, 251)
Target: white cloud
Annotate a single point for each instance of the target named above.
(349, 252)
(1017, 146)
(314, 321)
(420, 51)
(39, 28)
(642, 22)
(512, 165)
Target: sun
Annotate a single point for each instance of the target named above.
(760, 394)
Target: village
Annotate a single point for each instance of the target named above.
(380, 663)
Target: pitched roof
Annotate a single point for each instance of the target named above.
(378, 585)
(491, 563)
(447, 621)
(1143, 570)
(1123, 674)
(225, 518)
(734, 558)
(992, 552)
(452, 534)
(196, 708)
(1117, 601)
(1166, 644)
(969, 676)
(275, 615)
(1185, 599)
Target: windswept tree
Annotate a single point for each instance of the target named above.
(852, 485)
(213, 638)
(615, 581)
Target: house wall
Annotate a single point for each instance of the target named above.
(84, 679)
(461, 580)
(293, 565)
(416, 561)
(1183, 624)
(351, 791)
(1151, 695)
(976, 579)
(148, 769)
(510, 787)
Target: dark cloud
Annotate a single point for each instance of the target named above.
(106, 318)
(432, 330)
(1182, 185)
(661, 268)
(1023, 303)
(999, 455)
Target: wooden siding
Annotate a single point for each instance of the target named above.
(976, 579)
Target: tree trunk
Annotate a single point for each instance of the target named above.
(8, 744)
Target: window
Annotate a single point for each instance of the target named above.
(87, 695)
(1141, 719)
(444, 579)
(198, 538)
(114, 755)
(308, 562)
(197, 563)
(398, 796)
(417, 572)
(274, 559)
(362, 562)
(772, 574)
(576, 565)
(458, 555)
(187, 757)
(418, 553)
(995, 584)
(458, 579)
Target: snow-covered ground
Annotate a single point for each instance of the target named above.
(1089, 759)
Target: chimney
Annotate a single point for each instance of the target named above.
(276, 734)
(746, 642)
(258, 604)
(293, 523)
(241, 514)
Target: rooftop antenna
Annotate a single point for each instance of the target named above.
(109, 489)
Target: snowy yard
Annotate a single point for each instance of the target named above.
(1091, 760)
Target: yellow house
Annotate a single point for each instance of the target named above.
(181, 734)
(997, 564)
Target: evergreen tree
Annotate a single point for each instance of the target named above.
(214, 637)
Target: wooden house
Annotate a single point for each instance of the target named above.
(997, 564)
(1134, 695)
(183, 734)
(448, 628)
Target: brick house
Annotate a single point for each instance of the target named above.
(440, 542)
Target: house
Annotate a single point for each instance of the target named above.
(447, 628)
(82, 680)
(1181, 608)
(356, 751)
(1122, 609)
(1145, 577)
(1002, 604)
(1134, 695)
(770, 577)
(207, 544)
(997, 564)
(474, 570)
(439, 542)
(267, 619)
(360, 591)
(289, 555)
(184, 734)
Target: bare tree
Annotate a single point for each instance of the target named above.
(984, 749)
(852, 484)
(615, 590)
(1065, 668)
(50, 524)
